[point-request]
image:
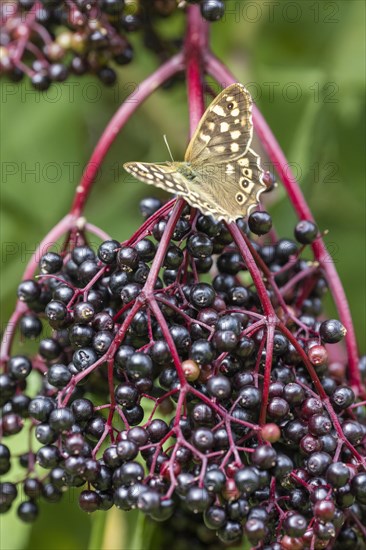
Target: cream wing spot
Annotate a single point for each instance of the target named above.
(224, 126)
(243, 162)
(218, 110)
(234, 147)
(236, 134)
(205, 138)
(235, 112)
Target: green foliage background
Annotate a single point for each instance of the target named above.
(309, 54)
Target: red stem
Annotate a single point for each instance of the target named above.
(119, 119)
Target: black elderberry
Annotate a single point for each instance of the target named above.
(202, 295)
(50, 263)
(202, 352)
(84, 358)
(19, 367)
(107, 251)
(87, 270)
(146, 249)
(212, 10)
(202, 414)
(45, 434)
(311, 406)
(319, 424)
(278, 408)
(173, 257)
(215, 517)
(107, 75)
(295, 525)
(48, 456)
(58, 375)
(358, 487)
(293, 393)
(181, 337)
(342, 397)
(89, 501)
(230, 532)
(255, 530)
(30, 326)
(102, 341)
(264, 457)
(139, 365)
(81, 254)
(61, 419)
(49, 348)
(197, 499)
(134, 415)
(332, 331)
(63, 293)
(249, 397)
(285, 248)
(219, 387)
(247, 480)
(225, 340)
(230, 262)
(337, 474)
(157, 429)
(41, 407)
(40, 81)
(127, 259)
(82, 409)
(199, 245)
(306, 232)
(260, 223)
(318, 462)
(203, 439)
(32, 487)
(28, 511)
(28, 291)
(83, 312)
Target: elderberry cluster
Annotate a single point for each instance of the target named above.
(148, 387)
(48, 40)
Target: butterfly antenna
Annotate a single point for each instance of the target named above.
(167, 145)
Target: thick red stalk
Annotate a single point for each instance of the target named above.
(219, 71)
(119, 119)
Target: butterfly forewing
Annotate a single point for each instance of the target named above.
(164, 175)
(221, 175)
(225, 130)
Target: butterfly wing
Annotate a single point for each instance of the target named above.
(230, 190)
(225, 130)
(167, 177)
(221, 175)
(164, 175)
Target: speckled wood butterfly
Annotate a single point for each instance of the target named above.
(221, 175)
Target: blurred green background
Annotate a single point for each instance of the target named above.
(304, 64)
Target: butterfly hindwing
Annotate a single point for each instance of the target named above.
(225, 130)
(237, 183)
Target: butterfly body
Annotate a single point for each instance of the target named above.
(220, 175)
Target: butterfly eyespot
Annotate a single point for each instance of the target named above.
(247, 172)
(239, 198)
(243, 182)
(230, 106)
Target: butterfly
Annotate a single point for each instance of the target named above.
(221, 175)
